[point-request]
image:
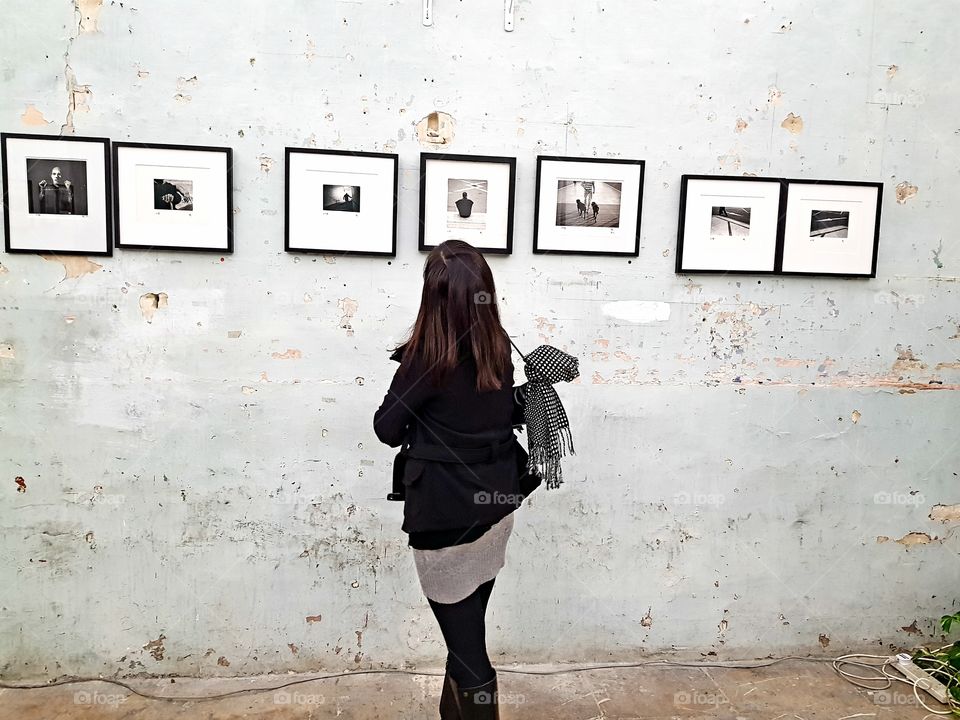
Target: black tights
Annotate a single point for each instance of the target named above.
(463, 628)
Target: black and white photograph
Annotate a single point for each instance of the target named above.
(57, 187)
(831, 227)
(588, 203)
(341, 198)
(729, 221)
(728, 224)
(172, 194)
(588, 206)
(469, 198)
(466, 203)
(829, 223)
(173, 197)
(357, 192)
(56, 194)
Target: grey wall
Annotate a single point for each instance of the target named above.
(765, 466)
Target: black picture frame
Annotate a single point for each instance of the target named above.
(679, 267)
(117, 180)
(107, 250)
(875, 244)
(287, 245)
(641, 164)
(510, 162)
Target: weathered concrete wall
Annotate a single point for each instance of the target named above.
(196, 488)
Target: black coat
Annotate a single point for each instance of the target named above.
(447, 419)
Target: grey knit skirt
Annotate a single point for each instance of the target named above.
(448, 575)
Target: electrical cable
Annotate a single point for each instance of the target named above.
(888, 679)
(730, 664)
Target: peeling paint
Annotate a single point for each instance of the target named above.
(437, 128)
(647, 620)
(150, 303)
(855, 416)
(905, 191)
(916, 538)
(945, 513)
(155, 647)
(32, 117)
(741, 125)
(793, 124)
(7, 351)
(266, 163)
(89, 12)
(289, 354)
(74, 265)
(348, 308)
(892, 70)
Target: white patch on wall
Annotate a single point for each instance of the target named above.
(641, 312)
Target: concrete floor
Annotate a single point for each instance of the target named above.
(792, 690)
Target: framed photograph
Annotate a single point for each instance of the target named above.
(467, 197)
(337, 201)
(173, 197)
(832, 228)
(56, 194)
(728, 224)
(588, 206)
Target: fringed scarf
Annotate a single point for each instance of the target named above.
(548, 430)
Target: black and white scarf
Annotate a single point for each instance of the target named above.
(548, 430)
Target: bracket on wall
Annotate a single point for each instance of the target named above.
(509, 14)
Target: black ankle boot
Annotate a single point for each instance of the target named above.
(448, 699)
(480, 702)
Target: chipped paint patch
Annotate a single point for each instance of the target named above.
(640, 312)
(7, 352)
(774, 95)
(437, 128)
(348, 308)
(21, 484)
(223, 662)
(74, 265)
(945, 513)
(150, 303)
(892, 70)
(266, 163)
(741, 125)
(905, 191)
(793, 124)
(915, 538)
(31, 117)
(824, 640)
(89, 11)
(855, 416)
(155, 647)
(647, 620)
(289, 354)
(313, 619)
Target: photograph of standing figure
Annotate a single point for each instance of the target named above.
(57, 187)
(588, 202)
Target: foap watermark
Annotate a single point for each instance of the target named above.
(899, 498)
(92, 697)
(890, 297)
(689, 498)
(502, 698)
(700, 697)
(497, 498)
(285, 697)
(891, 697)
(482, 298)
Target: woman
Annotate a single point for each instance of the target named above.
(453, 402)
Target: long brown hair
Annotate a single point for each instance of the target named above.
(458, 311)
